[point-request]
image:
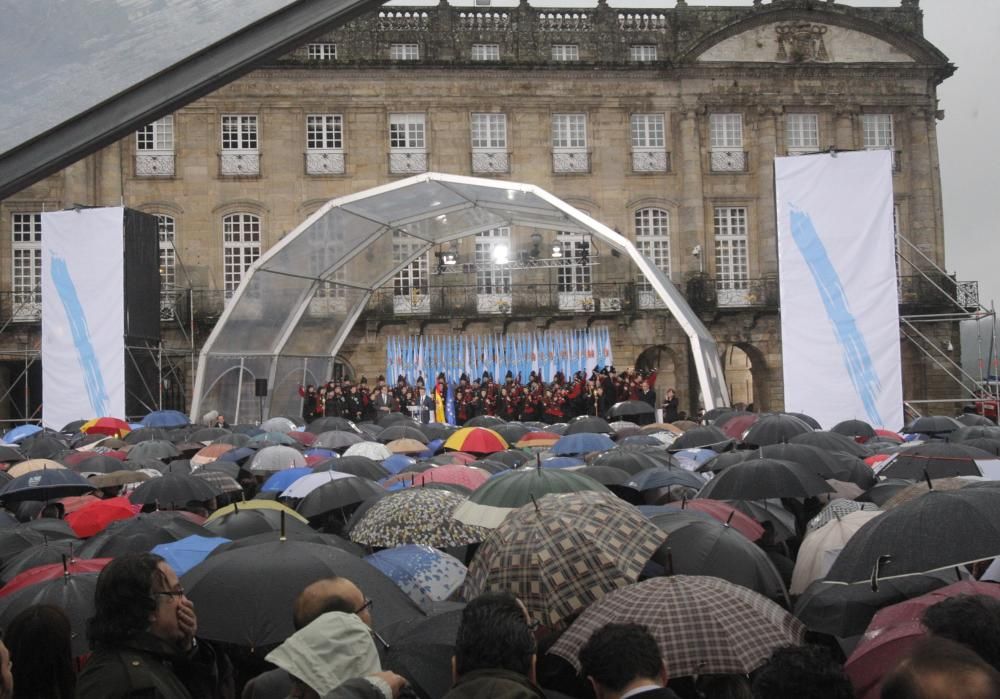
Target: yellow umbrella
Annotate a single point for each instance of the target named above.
(477, 440)
(255, 505)
(32, 465)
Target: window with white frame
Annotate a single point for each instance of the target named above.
(573, 275)
(493, 278)
(154, 146)
(649, 143)
(732, 267)
(726, 143)
(489, 142)
(241, 236)
(322, 51)
(240, 155)
(801, 133)
(652, 239)
(565, 52)
(324, 144)
(644, 53)
(26, 264)
(404, 52)
(486, 52)
(410, 285)
(877, 130)
(167, 226)
(569, 143)
(407, 143)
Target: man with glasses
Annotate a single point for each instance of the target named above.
(143, 635)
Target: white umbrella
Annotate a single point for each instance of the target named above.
(305, 485)
(276, 458)
(375, 451)
(821, 547)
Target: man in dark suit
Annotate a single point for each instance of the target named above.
(622, 661)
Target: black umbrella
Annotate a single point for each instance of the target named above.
(633, 460)
(585, 423)
(964, 434)
(45, 484)
(820, 462)
(884, 490)
(512, 458)
(248, 521)
(933, 425)
(390, 419)
(227, 467)
(775, 429)
(9, 454)
(769, 513)
(808, 419)
(337, 439)
(51, 551)
(245, 596)
(311, 536)
(488, 421)
(846, 610)
(158, 449)
(139, 534)
(43, 445)
(708, 547)
(511, 432)
(437, 430)
(338, 494)
(973, 420)
(630, 408)
(854, 428)
(760, 478)
(991, 446)
(401, 431)
(99, 463)
(420, 650)
(174, 490)
(329, 424)
(72, 593)
(490, 465)
(606, 475)
(936, 531)
(724, 461)
(705, 436)
(370, 430)
(830, 441)
(209, 434)
(935, 460)
(712, 417)
(15, 540)
(356, 466)
(144, 434)
(664, 478)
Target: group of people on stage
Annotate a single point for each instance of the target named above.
(535, 400)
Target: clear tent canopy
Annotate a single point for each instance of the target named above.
(274, 328)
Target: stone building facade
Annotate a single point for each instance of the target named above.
(661, 123)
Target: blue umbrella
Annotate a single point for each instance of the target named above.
(20, 432)
(664, 478)
(582, 443)
(433, 447)
(422, 572)
(237, 455)
(319, 451)
(397, 463)
(562, 462)
(282, 479)
(166, 419)
(184, 554)
(695, 456)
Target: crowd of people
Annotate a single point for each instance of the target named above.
(558, 400)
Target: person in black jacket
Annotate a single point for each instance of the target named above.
(143, 636)
(621, 659)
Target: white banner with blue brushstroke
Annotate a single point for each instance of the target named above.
(839, 304)
(83, 315)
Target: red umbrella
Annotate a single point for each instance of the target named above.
(94, 517)
(111, 426)
(305, 438)
(875, 459)
(736, 426)
(466, 476)
(460, 457)
(727, 514)
(33, 576)
(889, 434)
(478, 440)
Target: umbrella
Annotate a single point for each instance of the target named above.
(255, 505)
(764, 478)
(95, 516)
(624, 428)
(973, 420)
(278, 424)
(537, 439)
(582, 443)
(219, 481)
(302, 485)
(397, 463)
(9, 453)
(245, 595)
(244, 522)
(395, 419)
(588, 423)
(703, 625)
(421, 650)
(18, 433)
(51, 571)
(235, 439)
(490, 505)
(631, 408)
(705, 436)
(913, 491)
(139, 533)
(883, 491)
(270, 439)
(563, 552)
(32, 465)
(117, 478)
(416, 516)
(99, 463)
(402, 431)
(158, 449)
(424, 573)
(707, 547)
(768, 512)
(110, 426)
(511, 458)
(491, 421)
(43, 445)
(822, 545)
(511, 433)
(466, 476)
(933, 425)
(936, 531)
(830, 441)
(45, 553)
(184, 554)
(725, 460)
(440, 430)
(306, 439)
(837, 509)
(360, 466)
(406, 446)
(166, 419)
(735, 424)
(175, 490)
(775, 429)
(46, 484)
(808, 419)
(607, 476)
(337, 494)
(73, 593)
(209, 434)
(937, 460)
(657, 477)
(854, 428)
(633, 461)
(476, 440)
(145, 434)
(376, 451)
(276, 458)
(991, 446)
(281, 480)
(725, 513)
(337, 439)
(328, 424)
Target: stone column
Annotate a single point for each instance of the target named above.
(764, 236)
(691, 230)
(843, 136)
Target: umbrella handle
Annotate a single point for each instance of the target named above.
(879, 562)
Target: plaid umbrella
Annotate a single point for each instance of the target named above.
(702, 625)
(490, 505)
(837, 509)
(563, 552)
(424, 573)
(222, 482)
(476, 440)
(415, 516)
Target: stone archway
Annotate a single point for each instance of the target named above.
(747, 376)
(670, 369)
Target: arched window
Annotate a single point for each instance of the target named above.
(652, 238)
(240, 248)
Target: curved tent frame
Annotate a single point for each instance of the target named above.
(298, 302)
